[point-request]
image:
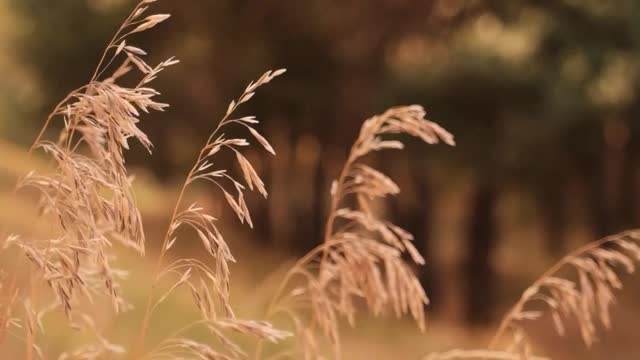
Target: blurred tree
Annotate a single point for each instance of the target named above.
(535, 94)
(59, 44)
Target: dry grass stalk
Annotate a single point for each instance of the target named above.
(478, 355)
(587, 300)
(362, 254)
(88, 192)
(8, 298)
(176, 347)
(100, 349)
(210, 285)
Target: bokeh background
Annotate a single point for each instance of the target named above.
(542, 96)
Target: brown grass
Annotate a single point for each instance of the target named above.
(89, 195)
(587, 300)
(88, 191)
(361, 257)
(579, 287)
(206, 283)
(364, 260)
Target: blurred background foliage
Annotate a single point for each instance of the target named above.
(543, 97)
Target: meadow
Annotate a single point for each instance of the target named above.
(101, 259)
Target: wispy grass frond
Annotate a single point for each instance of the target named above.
(361, 257)
(580, 287)
(478, 355)
(184, 348)
(101, 348)
(88, 191)
(209, 285)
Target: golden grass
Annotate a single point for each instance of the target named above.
(89, 204)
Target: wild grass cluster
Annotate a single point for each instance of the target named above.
(364, 263)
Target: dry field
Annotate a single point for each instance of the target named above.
(101, 262)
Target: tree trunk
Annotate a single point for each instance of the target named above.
(318, 215)
(480, 277)
(555, 220)
(629, 183)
